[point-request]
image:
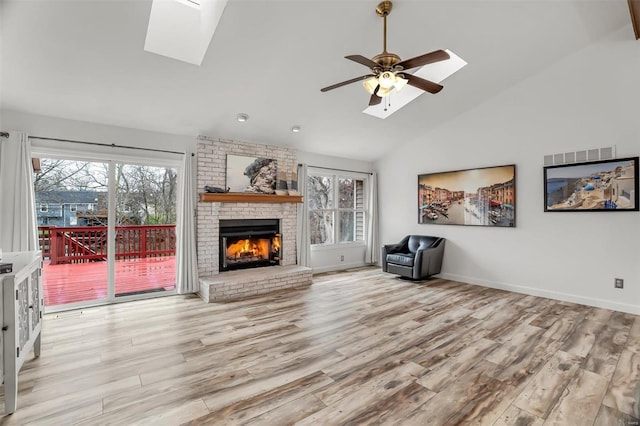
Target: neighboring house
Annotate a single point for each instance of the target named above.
(71, 208)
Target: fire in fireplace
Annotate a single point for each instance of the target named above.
(249, 243)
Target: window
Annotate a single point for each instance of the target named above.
(73, 207)
(44, 207)
(336, 209)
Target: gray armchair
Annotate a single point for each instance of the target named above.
(416, 256)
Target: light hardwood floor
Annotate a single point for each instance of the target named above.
(355, 348)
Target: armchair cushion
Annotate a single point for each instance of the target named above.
(401, 259)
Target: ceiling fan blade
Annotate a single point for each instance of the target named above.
(427, 58)
(421, 83)
(634, 9)
(363, 61)
(375, 99)
(344, 83)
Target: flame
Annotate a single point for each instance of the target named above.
(242, 247)
(275, 244)
(249, 247)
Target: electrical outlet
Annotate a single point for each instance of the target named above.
(342, 258)
(619, 283)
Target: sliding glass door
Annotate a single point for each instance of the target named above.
(72, 199)
(145, 252)
(107, 230)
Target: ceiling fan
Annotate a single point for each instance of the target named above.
(387, 69)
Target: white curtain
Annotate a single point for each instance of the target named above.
(303, 244)
(18, 226)
(187, 258)
(373, 251)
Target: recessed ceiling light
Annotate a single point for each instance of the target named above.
(295, 129)
(242, 117)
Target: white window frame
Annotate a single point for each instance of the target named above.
(335, 176)
(44, 207)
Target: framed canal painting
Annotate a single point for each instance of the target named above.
(608, 185)
(482, 197)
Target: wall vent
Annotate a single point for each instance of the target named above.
(606, 153)
(558, 159)
(569, 157)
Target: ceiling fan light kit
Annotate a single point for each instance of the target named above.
(387, 69)
(370, 85)
(384, 84)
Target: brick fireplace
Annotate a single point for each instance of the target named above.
(217, 285)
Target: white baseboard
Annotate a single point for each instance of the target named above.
(337, 267)
(565, 297)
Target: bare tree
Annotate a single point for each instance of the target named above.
(320, 198)
(144, 194)
(60, 175)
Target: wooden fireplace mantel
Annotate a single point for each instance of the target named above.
(247, 197)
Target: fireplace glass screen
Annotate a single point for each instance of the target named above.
(249, 243)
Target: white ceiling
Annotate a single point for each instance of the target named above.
(84, 60)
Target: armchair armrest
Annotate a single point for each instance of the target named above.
(383, 255)
(400, 247)
(391, 248)
(428, 259)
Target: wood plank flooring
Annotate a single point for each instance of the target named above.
(358, 347)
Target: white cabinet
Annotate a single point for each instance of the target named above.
(22, 306)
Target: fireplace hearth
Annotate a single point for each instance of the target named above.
(249, 243)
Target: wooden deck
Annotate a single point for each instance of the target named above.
(79, 282)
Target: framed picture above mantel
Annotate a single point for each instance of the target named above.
(481, 197)
(607, 185)
(251, 174)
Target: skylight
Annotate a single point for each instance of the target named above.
(183, 29)
(435, 72)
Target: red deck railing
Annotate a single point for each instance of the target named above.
(79, 244)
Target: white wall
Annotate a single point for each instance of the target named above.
(345, 256)
(588, 100)
(51, 127)
(318, 160)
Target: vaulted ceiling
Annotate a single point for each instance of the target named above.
(84, 60)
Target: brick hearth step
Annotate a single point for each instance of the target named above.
(243, 283)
